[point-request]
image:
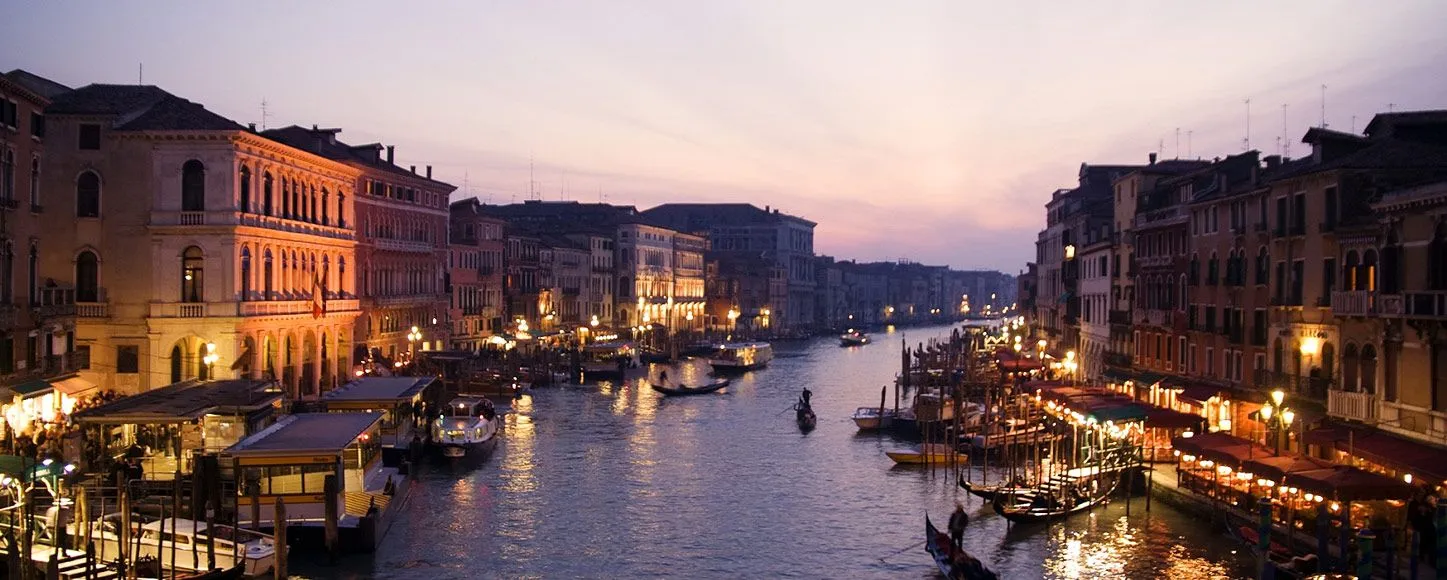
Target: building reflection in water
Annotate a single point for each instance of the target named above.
(1098, 551)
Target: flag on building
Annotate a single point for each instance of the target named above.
(319, 294)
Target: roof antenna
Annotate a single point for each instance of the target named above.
(1247, 140)
(532, 183)
(1285, 135)
(1391, 107)
(1354, 124)
(264, 114)
(1323, 106)
(140, 73)
(1188, 144)
(1178, 142)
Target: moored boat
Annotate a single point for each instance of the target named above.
(1059, 497)
(605, 360)
(469, 426)
(738, 357)
(681, 391)
(927, 453)
(853, 338)
(954, 563)
(873, 418)
(184, 545)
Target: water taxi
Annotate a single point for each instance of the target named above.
(468, 427)
(738, 357)
(853, 338)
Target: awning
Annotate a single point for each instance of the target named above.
(1388, 450)
(1197, 393)
(32, 388)
(1281, 467)
(1163, 418)
(1117, 375)
(73, 386)
(1352, 484)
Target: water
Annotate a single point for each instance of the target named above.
(612, 481)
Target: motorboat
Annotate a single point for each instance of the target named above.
(873, 418)
(853, 338)
(606, 360)
(469, 426)
(185, 545)
(738, 357)
(927, 453)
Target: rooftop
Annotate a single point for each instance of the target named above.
(185, 401)
(700, 216)
(308, 433)
(379, 389)
(140, 108)
(324, 142)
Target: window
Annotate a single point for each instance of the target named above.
(1281, 216)
(285, 198)
(37, 125)
(341, 205)
(1263, 267)
(1328, 279)
(1330, 201)
(9, 113)
(326, 197)
(192, 268)
(7, 274)
(1298, 214)
(128, 359)
(87, 195)
(244, 188)
(266, 187)
(245, 273)
(193, 186)
(1280, 293)
(7, 174)
(35, 184)
(341, 276)
(1298, 281)
(87, 277)
(89, 137)
(32, 281)
(268, 280)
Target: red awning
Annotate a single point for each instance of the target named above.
(1163, 418)
(1196, 393)
(1352, 484)
(1280, 467)
(1401, 454)
(1019, 365)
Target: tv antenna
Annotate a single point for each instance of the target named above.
(1323, 106)
(1178, 142)
(140, 73)
(1247, 140)
(264, 114)
(1285, 135)
(1189, 152)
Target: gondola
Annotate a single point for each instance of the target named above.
(1029, 505)
(988, 492)
(682, 391)
(804, 415)
(953, 564)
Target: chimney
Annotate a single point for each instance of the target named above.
(391, 149)
(1152, 157)
(414, 170)
(1272, 161)
(251, 127)
(314, 126)
(429, 172)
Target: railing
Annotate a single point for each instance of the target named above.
(193, 310)
(1154, 261)
(92, 309)
(404, 299)
(1352, 303)
(403, 245)
(1425, 304)
(9, 203)
(287, 307)
(54, 310)
(286, 225)
(193, 218)
(1313, 388)
(1390, 304)
(1355, 406)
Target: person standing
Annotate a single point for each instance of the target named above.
(806, 395)
(958, 521)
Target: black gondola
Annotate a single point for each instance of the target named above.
(681, 391)
(988, 492)
(955, 564)
(1056, 499)
(804, 415)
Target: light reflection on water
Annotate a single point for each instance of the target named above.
(612, 480)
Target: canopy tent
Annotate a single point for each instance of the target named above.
(1281, 467)
(1352, 484)
(1163, 418)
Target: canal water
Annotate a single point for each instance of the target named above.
(612, 481)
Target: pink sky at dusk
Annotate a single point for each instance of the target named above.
(933, 131)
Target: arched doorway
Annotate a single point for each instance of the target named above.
(244, 364)
(308, 363)
(327, 380)
(203, 371)
(1328, 361)
(176, 354)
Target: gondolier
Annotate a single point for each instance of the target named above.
(807, 393)
(958, 521)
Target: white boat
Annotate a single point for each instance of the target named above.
(853, 338)
(738, 357)
(469, 427)
(602, 360)
(873, 418)
(181, 544)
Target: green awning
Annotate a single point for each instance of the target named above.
(1117, 375)
(32, 388)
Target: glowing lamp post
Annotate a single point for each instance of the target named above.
(413, 336)
(1278, 418)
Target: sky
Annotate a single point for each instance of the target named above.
(932, 131)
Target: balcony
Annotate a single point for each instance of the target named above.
(291, 307)
(1353, 303)
(264, 221)
(193, 218)
(1120, 317)
(1424, 305)
(410, 246)
(1354, 406)
(1390, 305)
(1313, 388)
(92, 309)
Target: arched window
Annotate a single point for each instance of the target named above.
(33, 275)
(1194, 272)
(1349, 362)
(7, 175)
(326, 197)
(295, 200)
(192, 268)
(1368, 278)
(244, 188)
(312, 209)
(201, 371)
(1392, 263)
(176, 364)
(266, 193)
(285, 282)
(7, 274)
(1263, 267)
(35, 182)
(268, 280)
(1213, 270)
(87, 277)
(245, 273)
(1183, 301)
(341, 276)
(326, 273)
(285, 198)
(87, 195)
(193, 186)
(1369, 369)
(341, 208)
(1349, 272)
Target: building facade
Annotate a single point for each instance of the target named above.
(476, 276)
(196, 247)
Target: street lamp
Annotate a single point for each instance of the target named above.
(412, 337)
(1278, 418)
(594, 322)
(210, 359)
